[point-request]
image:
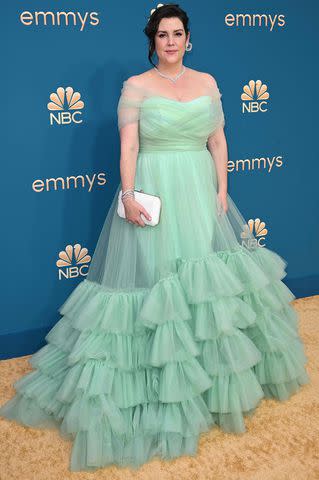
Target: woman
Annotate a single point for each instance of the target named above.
(180, 326)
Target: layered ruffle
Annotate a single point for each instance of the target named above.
(134, 373)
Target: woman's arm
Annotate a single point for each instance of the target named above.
(216, 142)
(129, 151)
(128, 122)
(217, 145)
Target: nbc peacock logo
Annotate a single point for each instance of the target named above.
(65, 106)
(254, 233)
(73, 262)
(254, 97)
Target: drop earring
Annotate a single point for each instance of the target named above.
(189, 46)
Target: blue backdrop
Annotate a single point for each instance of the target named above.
(62, 72)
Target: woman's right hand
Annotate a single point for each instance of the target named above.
(133, 210)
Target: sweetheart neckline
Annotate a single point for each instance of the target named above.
(176, 101)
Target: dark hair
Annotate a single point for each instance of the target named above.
(166, 11)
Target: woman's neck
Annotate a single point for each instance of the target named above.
(171, 70)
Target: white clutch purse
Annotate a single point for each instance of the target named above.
(151, 203)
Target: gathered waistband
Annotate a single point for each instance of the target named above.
(172, 148)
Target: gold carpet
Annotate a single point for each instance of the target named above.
(281, 441)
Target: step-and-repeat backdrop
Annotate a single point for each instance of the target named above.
(62, 71)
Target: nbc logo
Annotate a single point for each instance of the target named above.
(254, 97)
(66, 105)
(254, 233)
(73, 261)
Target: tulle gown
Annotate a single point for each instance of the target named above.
(177, 328)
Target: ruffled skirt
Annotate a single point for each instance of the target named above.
(176, 329)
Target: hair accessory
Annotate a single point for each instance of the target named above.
(158, 6)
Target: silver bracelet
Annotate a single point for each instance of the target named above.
(127, 193)
(126, 197)
(128, 190)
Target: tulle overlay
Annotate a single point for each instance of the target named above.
(176, 329)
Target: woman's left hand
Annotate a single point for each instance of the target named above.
(222, 198)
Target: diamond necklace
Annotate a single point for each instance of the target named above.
(173, 79)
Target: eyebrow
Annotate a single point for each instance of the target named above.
(165, 31)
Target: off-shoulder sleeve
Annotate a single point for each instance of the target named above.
(129, 104)
(217, 111)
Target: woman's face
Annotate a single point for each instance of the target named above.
(170, 40)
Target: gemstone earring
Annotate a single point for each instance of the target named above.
(189, 46)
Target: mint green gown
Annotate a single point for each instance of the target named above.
(177, 328)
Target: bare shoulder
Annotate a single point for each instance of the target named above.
(133, 80)
(140, 79)
(207, 78)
